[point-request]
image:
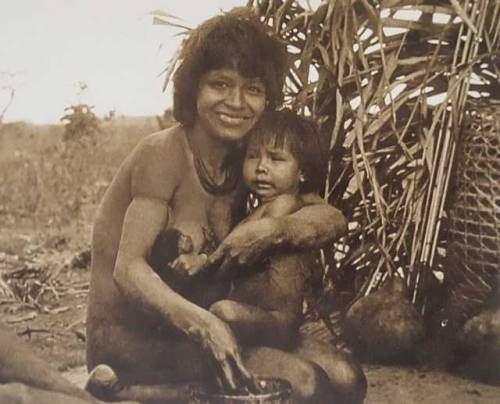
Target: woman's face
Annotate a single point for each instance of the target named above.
(229, 104)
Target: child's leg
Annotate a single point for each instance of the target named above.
(265, 308)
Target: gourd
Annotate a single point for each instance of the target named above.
(384, 326)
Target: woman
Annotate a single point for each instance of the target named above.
(189, 177)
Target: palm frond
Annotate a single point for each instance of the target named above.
(388, 94)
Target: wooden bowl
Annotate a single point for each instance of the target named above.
(271, 391)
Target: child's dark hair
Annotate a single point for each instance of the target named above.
(235, 40)
(301, 137)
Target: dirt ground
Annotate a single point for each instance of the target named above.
(52, 321)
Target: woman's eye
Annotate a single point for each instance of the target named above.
(256, 90)
(219, 85)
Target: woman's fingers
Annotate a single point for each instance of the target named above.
(189, 265)
(235, 375)
(229, 379)
(220, 344)
(178, 264)
(221, 261)
(217, 256)
(245, 375)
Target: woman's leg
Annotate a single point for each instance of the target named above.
(348, 382)
(18, 393)
(144, 355)
(309, 382)
(146, 363)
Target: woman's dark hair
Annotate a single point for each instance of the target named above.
(235, 40)
(299, 135)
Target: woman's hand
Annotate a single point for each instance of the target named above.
(246, 244)
(187, 266)
(312, 226)
(218, 342)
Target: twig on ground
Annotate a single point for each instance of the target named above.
(17, 319)
(80, 335)
(28, 331)
(58, 310)
(75, 323)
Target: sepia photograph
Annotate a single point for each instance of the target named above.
(250, 201)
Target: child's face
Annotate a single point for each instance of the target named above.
(270, 171)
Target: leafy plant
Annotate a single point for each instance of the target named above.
(80, 123)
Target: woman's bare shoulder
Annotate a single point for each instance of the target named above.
(170, 140)
(159, 162)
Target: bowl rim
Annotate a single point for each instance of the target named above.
(285, 388)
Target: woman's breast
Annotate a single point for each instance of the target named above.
(206, 218)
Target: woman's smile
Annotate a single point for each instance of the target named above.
(232, 119)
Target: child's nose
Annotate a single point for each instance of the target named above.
(262, 165)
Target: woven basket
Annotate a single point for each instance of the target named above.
(474, 233)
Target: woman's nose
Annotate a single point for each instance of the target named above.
(236, 97)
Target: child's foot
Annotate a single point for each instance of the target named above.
(103, 382)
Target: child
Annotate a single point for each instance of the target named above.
(283, 164)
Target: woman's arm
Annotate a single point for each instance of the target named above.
(312, 226)
(144, 219)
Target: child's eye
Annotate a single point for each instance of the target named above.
(251, 154)
(277, 157)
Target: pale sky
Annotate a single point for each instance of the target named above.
(48, 46)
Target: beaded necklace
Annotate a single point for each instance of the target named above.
(231, 170)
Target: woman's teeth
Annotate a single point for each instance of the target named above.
(232, 120)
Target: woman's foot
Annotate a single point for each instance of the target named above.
(103, 382)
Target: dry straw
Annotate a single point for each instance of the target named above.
(375, 95)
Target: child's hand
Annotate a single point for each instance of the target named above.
(189, 265)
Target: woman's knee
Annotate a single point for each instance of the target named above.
(348, 380)
(311, 383)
